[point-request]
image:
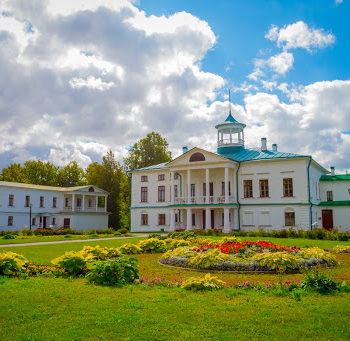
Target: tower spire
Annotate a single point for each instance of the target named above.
(229, 100)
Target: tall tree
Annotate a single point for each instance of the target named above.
(71, 175)
(13, 173)
(40, 172)
(151, 150)
(110, 176)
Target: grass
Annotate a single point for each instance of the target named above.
(59, 309)
(63, 309)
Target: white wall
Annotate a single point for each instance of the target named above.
(340, 190)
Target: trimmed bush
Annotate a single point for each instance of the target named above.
(208, 282)
(12, 263)
(9, 236)
(74, 263)
(130, 249)
(152, 245)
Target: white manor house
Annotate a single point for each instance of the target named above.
(35, 206)
(238, 189)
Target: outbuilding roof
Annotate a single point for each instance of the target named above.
(153, 167)
(339, 177)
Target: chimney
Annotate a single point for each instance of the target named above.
(184, 150)
(263, 144)
(332, 171)
(274, 147)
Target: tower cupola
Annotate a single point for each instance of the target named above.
(230, 135)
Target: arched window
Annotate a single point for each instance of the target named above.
(91, 189)
(197, 157)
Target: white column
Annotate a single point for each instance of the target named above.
(172, 190)
(230, 135)
(227, 225)
(207, 219)
(189, 219)
(83, 206)
(235, 218)
(172, 220)
(106, 203)
(207, 188)
(189, 186)
(226, 185)
(73, 202)
(218, 137)
(96, 202)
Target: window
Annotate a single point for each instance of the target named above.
(41, 201)
(161, 219)
(329, 195)
(33, 221)
(211, 189)
(144, 178)
(197, 157)
(10, 221)
(248, 188)
(144, 194)
(204, 189)
(193, 219)
(66, 202)
(264, 188)
(144, 219)
(90, 203)
(161, 193)
(54, 202)
(66, 223)
(289, 218)
(78, 202)
(176, 218)
(175, 191)
(223, 188)
(176, 176)
(11, 200)
(91, 189)
(161, 177)
(53, 220)
(288, 187)
(27, 201)
(193, 190)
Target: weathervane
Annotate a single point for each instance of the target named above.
(229, 100)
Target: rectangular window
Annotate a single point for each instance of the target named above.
(289, 218)
(66, 202)
(176, 176)
(161, 193)
(144, 219)
(11, 200)
(223, 188)
(176, 218)
(66, 223)
(54, 202)
(287, 187)
(33, 221)
(41, 201)
(329, 195)
(78, 202)
(193, 219)
(161, 177)
(53, 221)
(211, 189)
(161, 219)
(204, 189)
(248, 188)
(27, 201)
(175, 191)
(144, 194)
(193, 190)
(10, 221)
(264, 188)
(144, 178)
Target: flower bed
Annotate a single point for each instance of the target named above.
(247, 256)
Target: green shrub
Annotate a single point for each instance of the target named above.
(208, 282)
(11, 263)
(74, 263)
(67, 236)
(174, 243)
(123, 231)
(182, 235)
(117, 234)
(94, 235)
(130, 249)
(9, 236)
(318, 280)
(2, 233)
(115, 272)
(152, 245)
(157, 235)
(99, 253)
(277, 260)
(316, 252)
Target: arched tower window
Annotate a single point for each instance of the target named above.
(197, 157)
(91, 189)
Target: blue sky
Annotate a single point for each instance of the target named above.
(81, 77)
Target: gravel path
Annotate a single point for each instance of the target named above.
(71, 241)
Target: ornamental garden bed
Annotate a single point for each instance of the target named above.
(247, 256)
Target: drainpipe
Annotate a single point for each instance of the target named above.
(309, 190)
(239, 206)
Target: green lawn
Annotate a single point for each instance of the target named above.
(59, 309)
(64, 309)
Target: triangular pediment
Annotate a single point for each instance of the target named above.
(196, 157)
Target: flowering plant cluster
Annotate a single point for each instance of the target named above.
(339, 249)
(11, 263)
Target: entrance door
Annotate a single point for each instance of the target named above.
(44, 222)
(327, 219)
(203, 218)
(212, 218)
(66, 223)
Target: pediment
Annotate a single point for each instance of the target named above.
(197, 157)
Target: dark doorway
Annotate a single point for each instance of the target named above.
(327, 219)
(212, 218)
(44, 222)
(203, 218)
(66, 223)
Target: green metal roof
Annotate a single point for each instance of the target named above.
(230, 119)
(340, 177)
(335, 203)
(257, 154)
(153, 167)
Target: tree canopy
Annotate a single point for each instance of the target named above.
(151, 150)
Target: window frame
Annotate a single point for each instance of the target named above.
(11, 202)
(144, 219)
(161, 219)
(42, 202)
(161, 193)
(289, 218)
(27, 201)
(144, 178)
(288, 187)
(54, 202)
(10, 220)
(329, 195)
(264, 188)
(248, 189)
(161, 177)
(193, 190)
(144, 194)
